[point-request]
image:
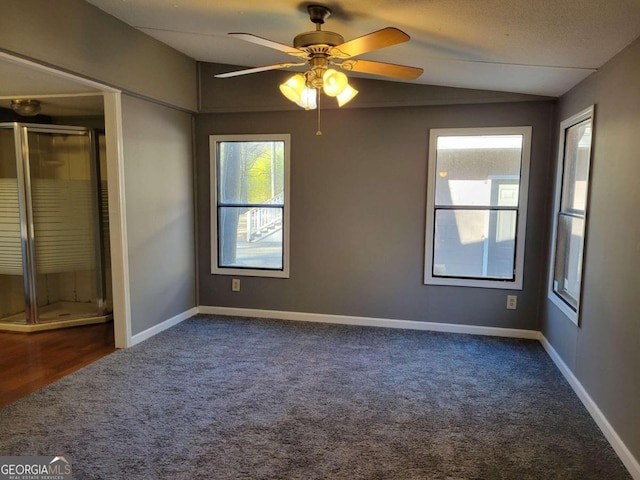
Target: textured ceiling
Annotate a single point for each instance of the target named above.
(541, 47)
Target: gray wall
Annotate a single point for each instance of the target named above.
(358, 214)
(158, 162)
(604, 352)
(77, 37)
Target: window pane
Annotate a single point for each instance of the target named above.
(568, 268)
(250, 237)
(469, 170)
(475, 243)
(577, 149)
(251, 172)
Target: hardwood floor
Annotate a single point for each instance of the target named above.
(29, 362)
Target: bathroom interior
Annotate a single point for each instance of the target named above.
(55, 255)
(54, 229)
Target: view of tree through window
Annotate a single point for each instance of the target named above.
(250, 203)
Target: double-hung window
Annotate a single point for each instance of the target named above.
(571, 199)
(250, 205)
(477, 206)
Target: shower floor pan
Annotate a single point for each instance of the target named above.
(57, 315)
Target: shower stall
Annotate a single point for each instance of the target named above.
(52, 227)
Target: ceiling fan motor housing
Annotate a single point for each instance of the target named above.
(318, 37)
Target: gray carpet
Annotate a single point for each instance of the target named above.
(228, 398)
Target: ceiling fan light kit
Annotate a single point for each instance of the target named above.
(303, 88)
(321, 51)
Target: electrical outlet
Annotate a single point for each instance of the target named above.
(235, 284)
(512, 302)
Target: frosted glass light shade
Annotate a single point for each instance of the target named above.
(308, 99)
(293, 87)
(26, 107)
(346, 95)
(334, 82)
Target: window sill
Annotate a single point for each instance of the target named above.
(568, 312)
(247, 272)
(465, 282)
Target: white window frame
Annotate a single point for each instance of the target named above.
(250, 272)
(565, 308)
(516, 283)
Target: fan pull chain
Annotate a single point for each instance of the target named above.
(319, 132)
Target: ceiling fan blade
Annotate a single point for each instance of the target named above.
(276, 66)
(248, 37)
(372, 41)
(379, 68)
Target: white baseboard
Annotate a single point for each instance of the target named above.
(610, 434)
(371, 322)
(150, 332)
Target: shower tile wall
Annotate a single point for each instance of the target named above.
(53, 157)
(12, 296)
(104, 205)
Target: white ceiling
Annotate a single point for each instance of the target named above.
(541, 47)
(58, 94)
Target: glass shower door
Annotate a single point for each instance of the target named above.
(65, 221)
(12, 288)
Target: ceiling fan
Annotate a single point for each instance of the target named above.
(321, 50)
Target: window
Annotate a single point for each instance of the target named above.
(250, 205)
(570, 211)
(477, 207)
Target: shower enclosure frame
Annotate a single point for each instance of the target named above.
(27, 228)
